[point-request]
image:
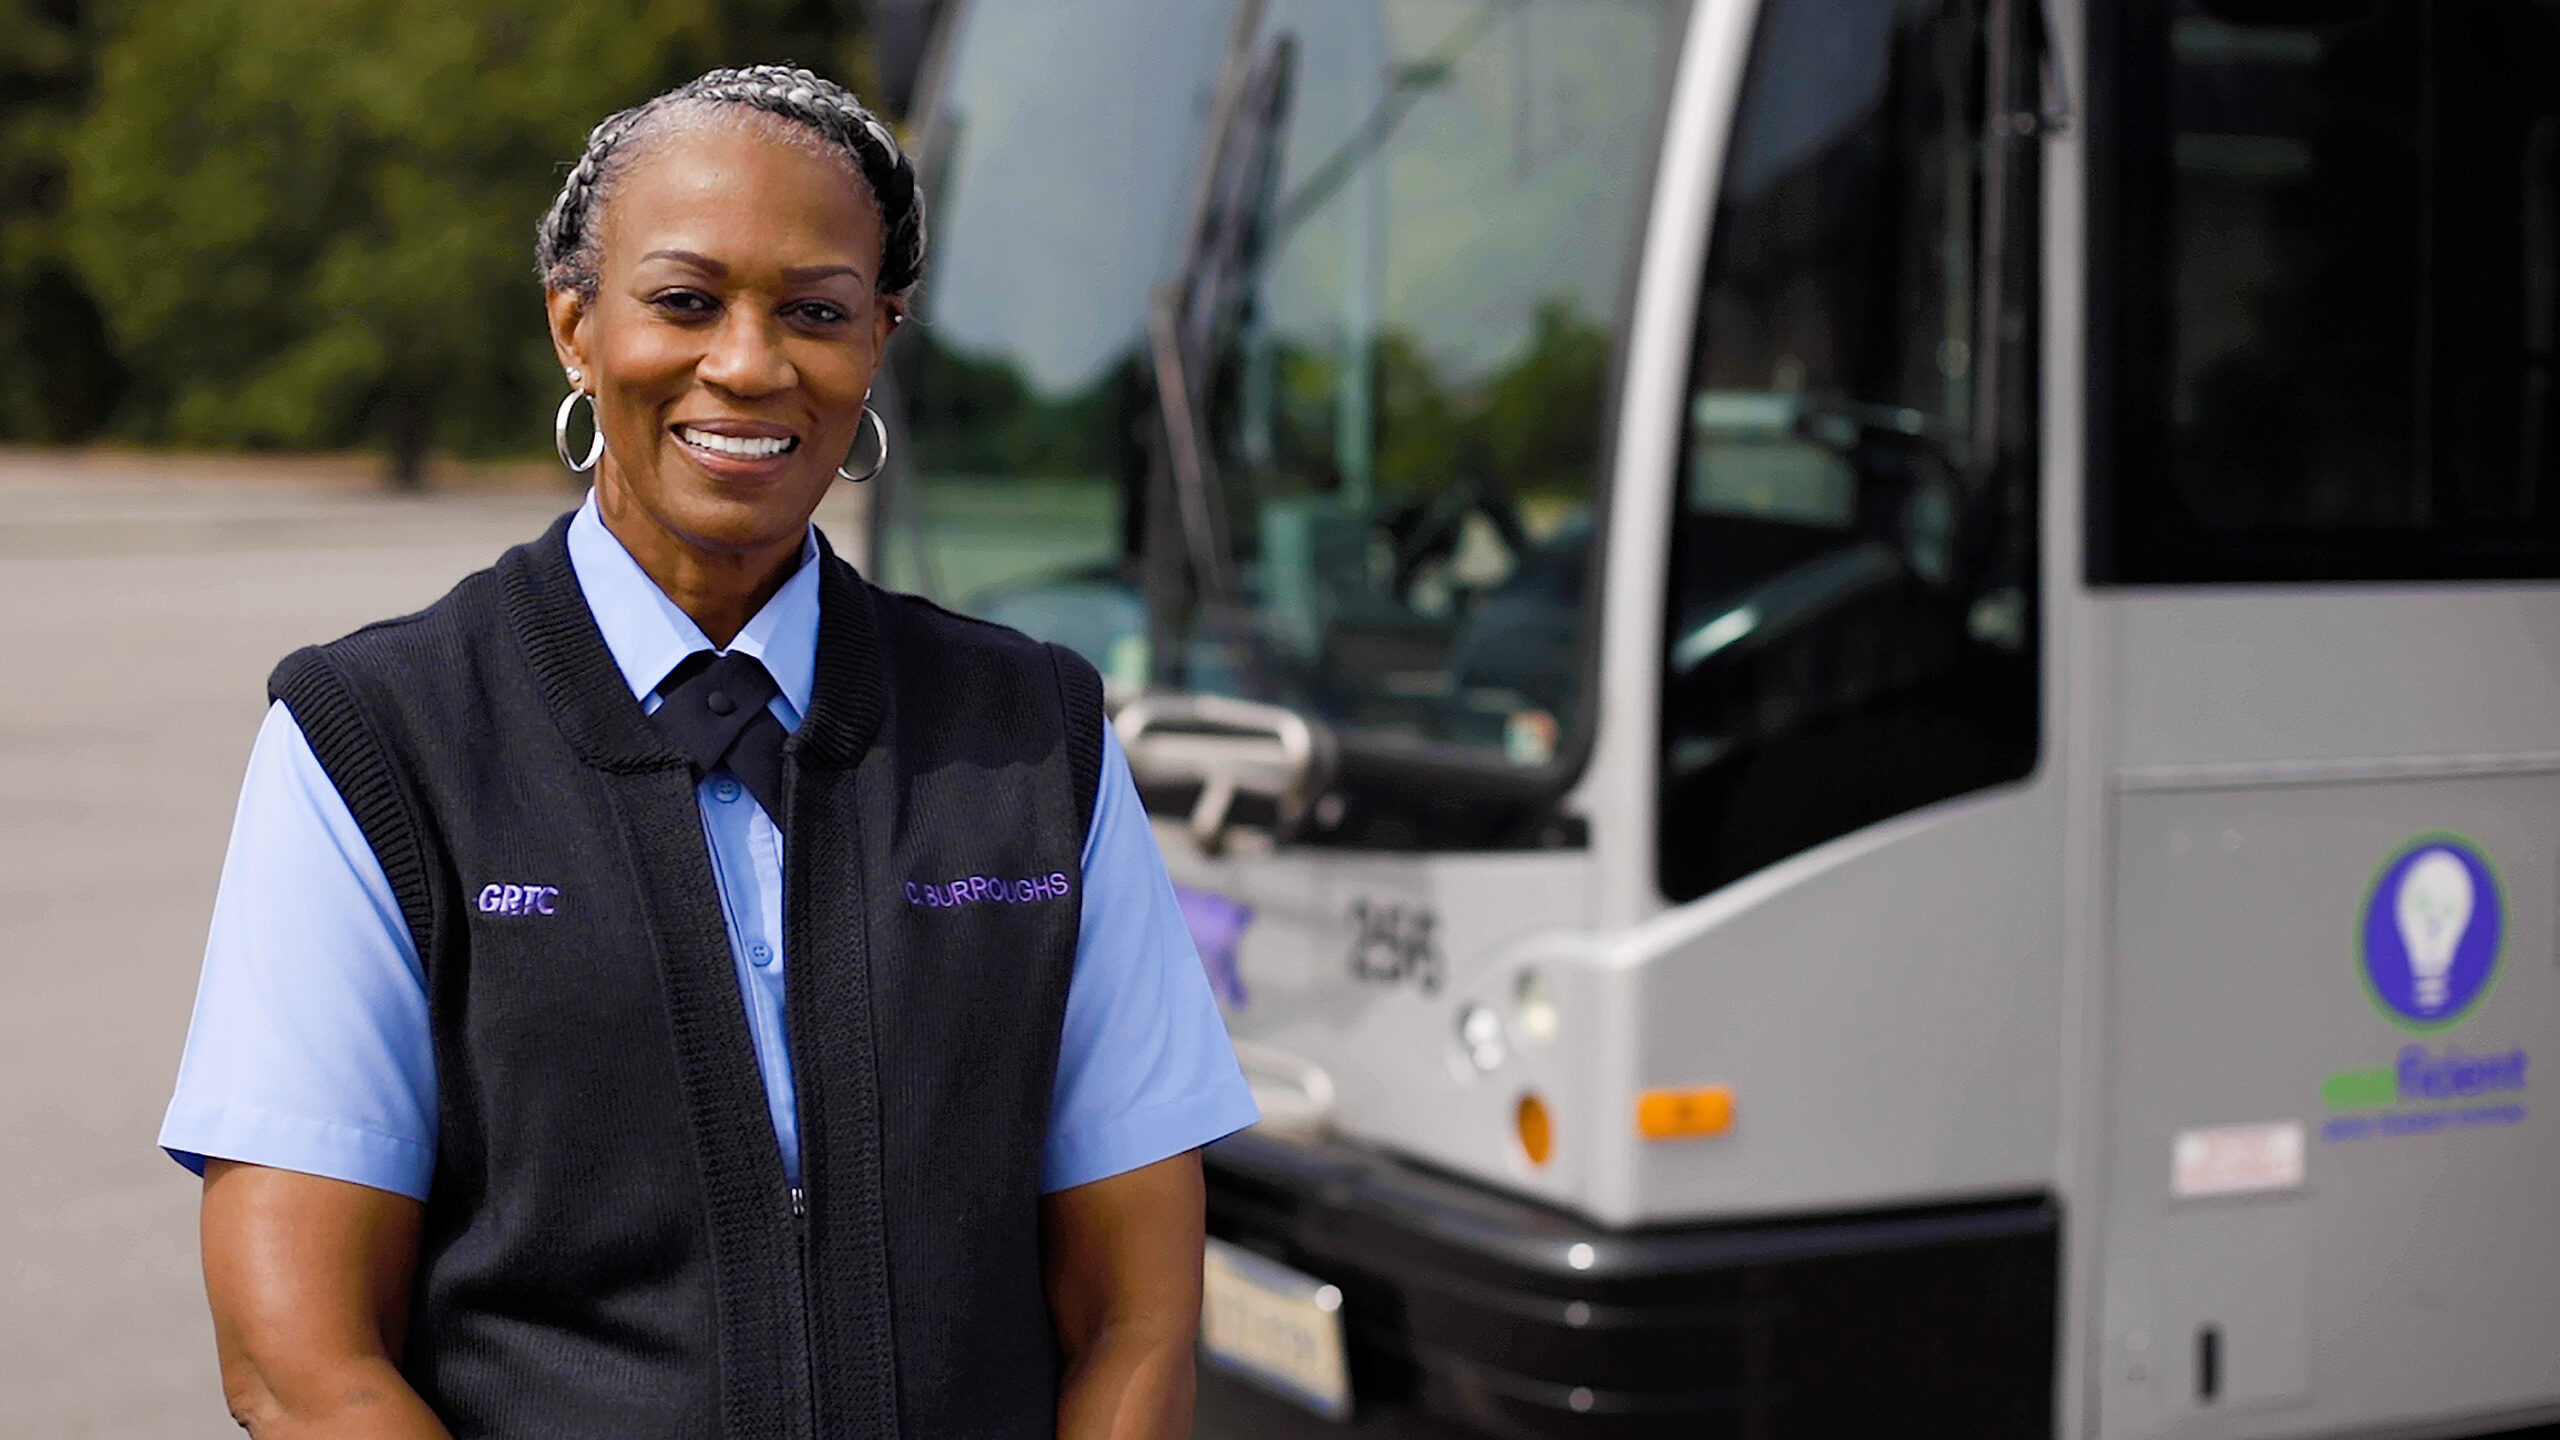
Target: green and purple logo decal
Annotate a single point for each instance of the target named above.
(2433, 924)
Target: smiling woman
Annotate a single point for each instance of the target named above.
(722, 281)
(509, 1121)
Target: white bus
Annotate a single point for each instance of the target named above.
(1858, 700)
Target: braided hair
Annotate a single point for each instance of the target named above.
(566, 244)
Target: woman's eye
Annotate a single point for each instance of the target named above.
(683, 302)
(820, 312)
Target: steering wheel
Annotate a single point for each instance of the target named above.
(1426, 531)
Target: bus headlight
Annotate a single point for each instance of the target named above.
(1533, 1008)
(1480, 1036)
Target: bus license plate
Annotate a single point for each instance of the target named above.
(1274, 1327)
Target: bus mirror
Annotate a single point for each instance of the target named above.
(1271, 758)
(1295, 1095)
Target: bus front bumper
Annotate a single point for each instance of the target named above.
(1470, 1312)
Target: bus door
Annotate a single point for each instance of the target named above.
(2324, 530)
(1853, 808)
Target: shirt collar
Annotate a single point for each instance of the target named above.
(647, 633)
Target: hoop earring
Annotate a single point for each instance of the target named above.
(881, 428)
(560, 432)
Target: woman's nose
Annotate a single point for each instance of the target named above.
(746, 355)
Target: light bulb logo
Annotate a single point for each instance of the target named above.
(2434, 910)
(2433, 925)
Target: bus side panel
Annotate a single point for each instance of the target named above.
(2329, 1201)
(2267, 674)
(1883, 1009)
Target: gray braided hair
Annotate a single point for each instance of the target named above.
(566, 244)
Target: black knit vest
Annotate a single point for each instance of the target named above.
(610, 1247)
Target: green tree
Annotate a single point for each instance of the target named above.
(1543, 417)
(59, 376)
(310, 221)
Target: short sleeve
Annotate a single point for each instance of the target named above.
(310, 1049)
(1145, 1069)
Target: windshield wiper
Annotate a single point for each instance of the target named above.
(1203, 526)
(1410, 80)
(1227, 225)
(1180, 316)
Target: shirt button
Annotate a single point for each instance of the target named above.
(760, 953)
(724, 789)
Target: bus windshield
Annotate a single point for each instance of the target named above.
(1058, 157)
(1400, 345)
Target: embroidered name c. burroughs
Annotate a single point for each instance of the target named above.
(978, 889)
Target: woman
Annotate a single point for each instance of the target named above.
(510, 1122)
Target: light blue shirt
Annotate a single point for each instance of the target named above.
(311, 1049)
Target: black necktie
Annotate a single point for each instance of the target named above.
(715, 713)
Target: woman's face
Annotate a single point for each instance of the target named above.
(731, 341)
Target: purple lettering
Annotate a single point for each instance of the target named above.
(518, 900)
(974, 889)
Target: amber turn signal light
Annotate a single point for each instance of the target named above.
(1537, 1130)
(1690, 1114)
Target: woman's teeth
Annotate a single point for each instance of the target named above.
(742, 447)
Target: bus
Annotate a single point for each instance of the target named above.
(1857, 701)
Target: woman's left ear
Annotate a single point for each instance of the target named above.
(566, 309)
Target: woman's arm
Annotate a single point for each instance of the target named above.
(309, 1280)
(1122, 1261)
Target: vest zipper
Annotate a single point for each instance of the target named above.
(808, 1322)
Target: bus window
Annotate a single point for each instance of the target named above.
(2330, 237)
(1852, 611)
(1059, 159)
(1408, 385)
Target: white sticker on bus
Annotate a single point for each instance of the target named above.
(2237, 1160)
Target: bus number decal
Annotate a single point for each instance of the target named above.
(1393, 944)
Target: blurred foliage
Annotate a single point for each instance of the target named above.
(59, 375)
(1530, 425)
(976, 415)
(310, 222)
